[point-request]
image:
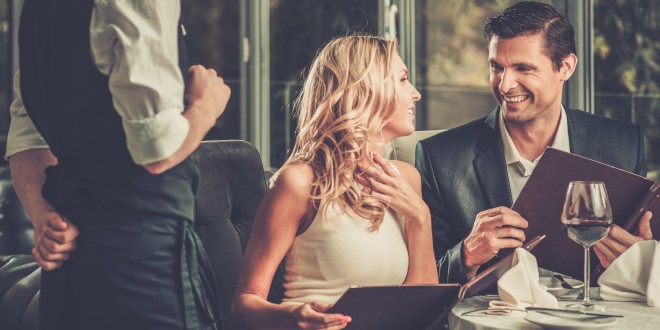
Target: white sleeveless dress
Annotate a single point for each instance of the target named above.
(338, 251)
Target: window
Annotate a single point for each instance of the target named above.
(5, 69)
(297, 30)
(261, 48)
(626, 52)
(293, 33)
(451, 60)
(213, 40)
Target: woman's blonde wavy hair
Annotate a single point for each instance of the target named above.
(347, 97)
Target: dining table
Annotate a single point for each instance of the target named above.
(472, 313)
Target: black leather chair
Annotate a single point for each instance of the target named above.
(20, 278)
(230, 189)
(16, 234)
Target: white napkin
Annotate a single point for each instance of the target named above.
(519, 286)
(634, 275)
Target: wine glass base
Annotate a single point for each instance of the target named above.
(589, 307)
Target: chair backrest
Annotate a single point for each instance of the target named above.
(403, 148)
(20, 279)
(16, 233)
(230, 189)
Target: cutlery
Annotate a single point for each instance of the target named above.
(567, 311)
(563, 282)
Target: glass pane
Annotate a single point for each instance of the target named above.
(213, 40)
(627, 68)
(5, 63)
(297, 30)
(452, 67)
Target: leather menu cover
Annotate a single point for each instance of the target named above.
(541, 202)
(484, 280)
(395, 307)
(414, 306)
(650, 203)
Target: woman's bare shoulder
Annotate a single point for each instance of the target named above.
(296, 177)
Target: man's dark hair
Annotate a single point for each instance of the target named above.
(529, 18)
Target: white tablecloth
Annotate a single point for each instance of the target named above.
(637, 316)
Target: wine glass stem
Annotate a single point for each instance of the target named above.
(587, 278)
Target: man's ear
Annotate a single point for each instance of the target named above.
(568, 65)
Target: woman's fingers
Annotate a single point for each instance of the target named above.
(374, 173)
(383, 198)
(386, 165)
(381, 188)
(313, 316)
(384, 170)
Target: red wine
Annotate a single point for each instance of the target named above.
(587, 232)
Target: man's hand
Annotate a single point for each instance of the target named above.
(207, 96)
(207, 91)
(618, 240)
(54, 240)
(493, 230)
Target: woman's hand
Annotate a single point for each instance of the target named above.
(314, 316)
(403, 194)
(390, 187)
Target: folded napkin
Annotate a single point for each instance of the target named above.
(519, 286)
(634, 275)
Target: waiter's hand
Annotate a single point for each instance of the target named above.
(619, 240)
(493, 229)
(207, 91)
(54, 240)
(207, 96)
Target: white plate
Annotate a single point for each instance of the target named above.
(564, 321)
(555, 288)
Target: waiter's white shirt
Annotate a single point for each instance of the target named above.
(134, 43)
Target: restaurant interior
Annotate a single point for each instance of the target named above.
(262, 49)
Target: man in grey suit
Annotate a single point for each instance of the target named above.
(472, 174)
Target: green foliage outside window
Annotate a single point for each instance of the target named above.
(627, 67)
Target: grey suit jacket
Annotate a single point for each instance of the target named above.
(464, 172)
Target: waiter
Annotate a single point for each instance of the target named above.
(98, 149)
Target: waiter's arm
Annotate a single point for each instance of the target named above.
(54, 236)
(136, 44)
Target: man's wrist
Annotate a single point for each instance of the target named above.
(469, 268)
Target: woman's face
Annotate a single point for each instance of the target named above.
(401, 123)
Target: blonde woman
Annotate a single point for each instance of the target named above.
(337, 213)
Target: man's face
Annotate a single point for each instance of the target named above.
(523, 79)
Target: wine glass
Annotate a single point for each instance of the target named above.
(587, 217)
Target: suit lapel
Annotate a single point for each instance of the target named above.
(490, 165)
(579, 136)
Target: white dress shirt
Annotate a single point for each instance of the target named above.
(518, 168)
(135, 44)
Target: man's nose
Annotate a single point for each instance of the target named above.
(507, 81)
